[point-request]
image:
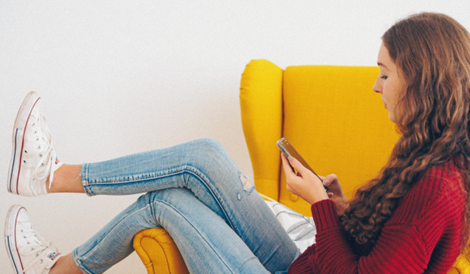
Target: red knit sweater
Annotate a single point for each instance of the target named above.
(423, 234)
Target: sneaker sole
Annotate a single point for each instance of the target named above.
(10, 238)
(19, 129)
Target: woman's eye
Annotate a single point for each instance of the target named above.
(384, 77)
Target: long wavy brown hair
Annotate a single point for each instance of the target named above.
(432, 51)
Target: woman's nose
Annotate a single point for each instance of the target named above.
(377, 86)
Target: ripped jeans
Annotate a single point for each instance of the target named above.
(194, 190)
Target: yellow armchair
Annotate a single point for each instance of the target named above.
(332, 117)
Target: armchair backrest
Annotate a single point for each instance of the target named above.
(329, 113)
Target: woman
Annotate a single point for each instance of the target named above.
(412, 218)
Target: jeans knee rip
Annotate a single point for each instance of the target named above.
(247, 185)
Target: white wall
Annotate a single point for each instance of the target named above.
(118, 77)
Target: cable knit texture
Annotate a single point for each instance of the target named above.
(422, 236)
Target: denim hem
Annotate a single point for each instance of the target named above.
(77, 262)
(85, 180)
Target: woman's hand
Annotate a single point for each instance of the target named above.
(335, 193)
(305, 184)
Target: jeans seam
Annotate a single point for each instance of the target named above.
(215, 194)
(188, 221)
(85, 254)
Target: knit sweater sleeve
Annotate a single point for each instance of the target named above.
(426, 225)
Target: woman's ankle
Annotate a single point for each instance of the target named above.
(66, 179)
(65, 264)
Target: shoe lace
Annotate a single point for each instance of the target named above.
(35, 244)
(46, 152)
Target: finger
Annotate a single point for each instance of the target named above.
(297, 165)
(332, 177)
(286, 166)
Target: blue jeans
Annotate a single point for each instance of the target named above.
(195, 191)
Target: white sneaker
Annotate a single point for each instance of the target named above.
(28, 251)
(33, 159)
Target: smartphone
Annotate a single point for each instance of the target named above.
(289, 150)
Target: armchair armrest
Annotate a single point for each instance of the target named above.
(158, 252)
(261, 111)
